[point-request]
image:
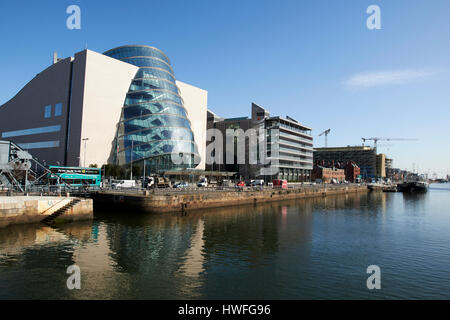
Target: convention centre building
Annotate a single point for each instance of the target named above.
(122, 106)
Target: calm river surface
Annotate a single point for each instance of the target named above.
(306, 249)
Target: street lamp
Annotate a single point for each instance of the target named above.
(84, 161)
(131, 163)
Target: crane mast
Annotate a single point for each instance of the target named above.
(326, 132)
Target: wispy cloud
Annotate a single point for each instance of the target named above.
(387, 77)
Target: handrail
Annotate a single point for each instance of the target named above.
(56, 204)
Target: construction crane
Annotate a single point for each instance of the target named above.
(376, 139)
(326, 132)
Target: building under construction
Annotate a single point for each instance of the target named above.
(365, 157)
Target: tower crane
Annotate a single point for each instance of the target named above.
(326, 132)
(376, 139)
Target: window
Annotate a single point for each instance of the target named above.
(58, 109)
(39, 145)
(26, 132)
(48, 111)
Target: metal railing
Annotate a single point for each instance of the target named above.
(193, 190)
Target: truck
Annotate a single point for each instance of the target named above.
(162, 182)
(156, 182)
(148, 182)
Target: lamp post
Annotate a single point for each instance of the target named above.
(84, 160)
(143, 176)
(131, 162)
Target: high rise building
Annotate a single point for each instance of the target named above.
(288, 149)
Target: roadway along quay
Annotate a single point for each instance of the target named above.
(169, 200)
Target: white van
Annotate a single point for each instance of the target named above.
(259, 182)
(119, 184)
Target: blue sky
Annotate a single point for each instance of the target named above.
(315, 61)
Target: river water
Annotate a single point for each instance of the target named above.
(306, 249)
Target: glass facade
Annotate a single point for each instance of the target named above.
(154, 125)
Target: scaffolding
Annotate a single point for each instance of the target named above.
(19, 171)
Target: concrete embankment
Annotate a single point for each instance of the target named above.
(22, 209)
(171, 201)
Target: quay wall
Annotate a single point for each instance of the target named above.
(186, 200)
(24, 209)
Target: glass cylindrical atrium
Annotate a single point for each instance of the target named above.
(154, 125)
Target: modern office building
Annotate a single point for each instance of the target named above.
(119, 107)
(363, 156)
(381, 165)
(289, 146)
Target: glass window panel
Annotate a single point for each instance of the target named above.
(48, 111)
(25, 132)
(58, 109)
(39, 145)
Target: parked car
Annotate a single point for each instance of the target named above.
(181, 185)
(240, 184)
(280, 184)
(227, 183)
(202, 183)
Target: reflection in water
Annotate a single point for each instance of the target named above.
(193, 264)
(17, 238)
(308, 248)
(415, 202)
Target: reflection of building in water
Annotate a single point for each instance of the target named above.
(194, 259)
(99, 270)
(17, 238)
(148, 247)
(193, 263)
